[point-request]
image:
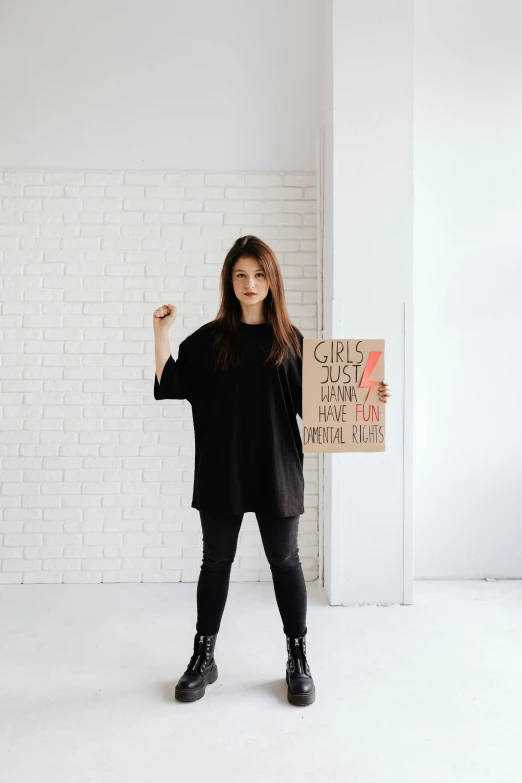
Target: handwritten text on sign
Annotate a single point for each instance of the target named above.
(341, 406)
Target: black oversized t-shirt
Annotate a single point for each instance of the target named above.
(248, 448)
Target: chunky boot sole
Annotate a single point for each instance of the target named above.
(193, 694)
(300, 699)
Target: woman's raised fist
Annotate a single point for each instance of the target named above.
(164, 317)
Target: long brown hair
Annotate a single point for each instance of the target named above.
(226, 345)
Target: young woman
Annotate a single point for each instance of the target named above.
(242, 374)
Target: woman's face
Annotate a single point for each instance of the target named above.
(248, 278)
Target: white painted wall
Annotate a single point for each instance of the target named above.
(368, 275)
(137, 142)
(101, 86)
(160, 85)
(468, 295)
(96, 476)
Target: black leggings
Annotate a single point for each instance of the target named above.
(279, 537)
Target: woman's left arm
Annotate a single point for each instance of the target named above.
(295, 378)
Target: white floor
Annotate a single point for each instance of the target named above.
(421, 693)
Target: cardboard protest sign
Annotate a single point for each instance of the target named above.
(341, 406)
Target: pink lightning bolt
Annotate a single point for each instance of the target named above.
(373, 358)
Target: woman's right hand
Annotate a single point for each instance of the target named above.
(163, 318)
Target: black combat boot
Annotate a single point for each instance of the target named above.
(301, 688)
(201, 670)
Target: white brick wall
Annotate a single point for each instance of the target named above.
(95, 488)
